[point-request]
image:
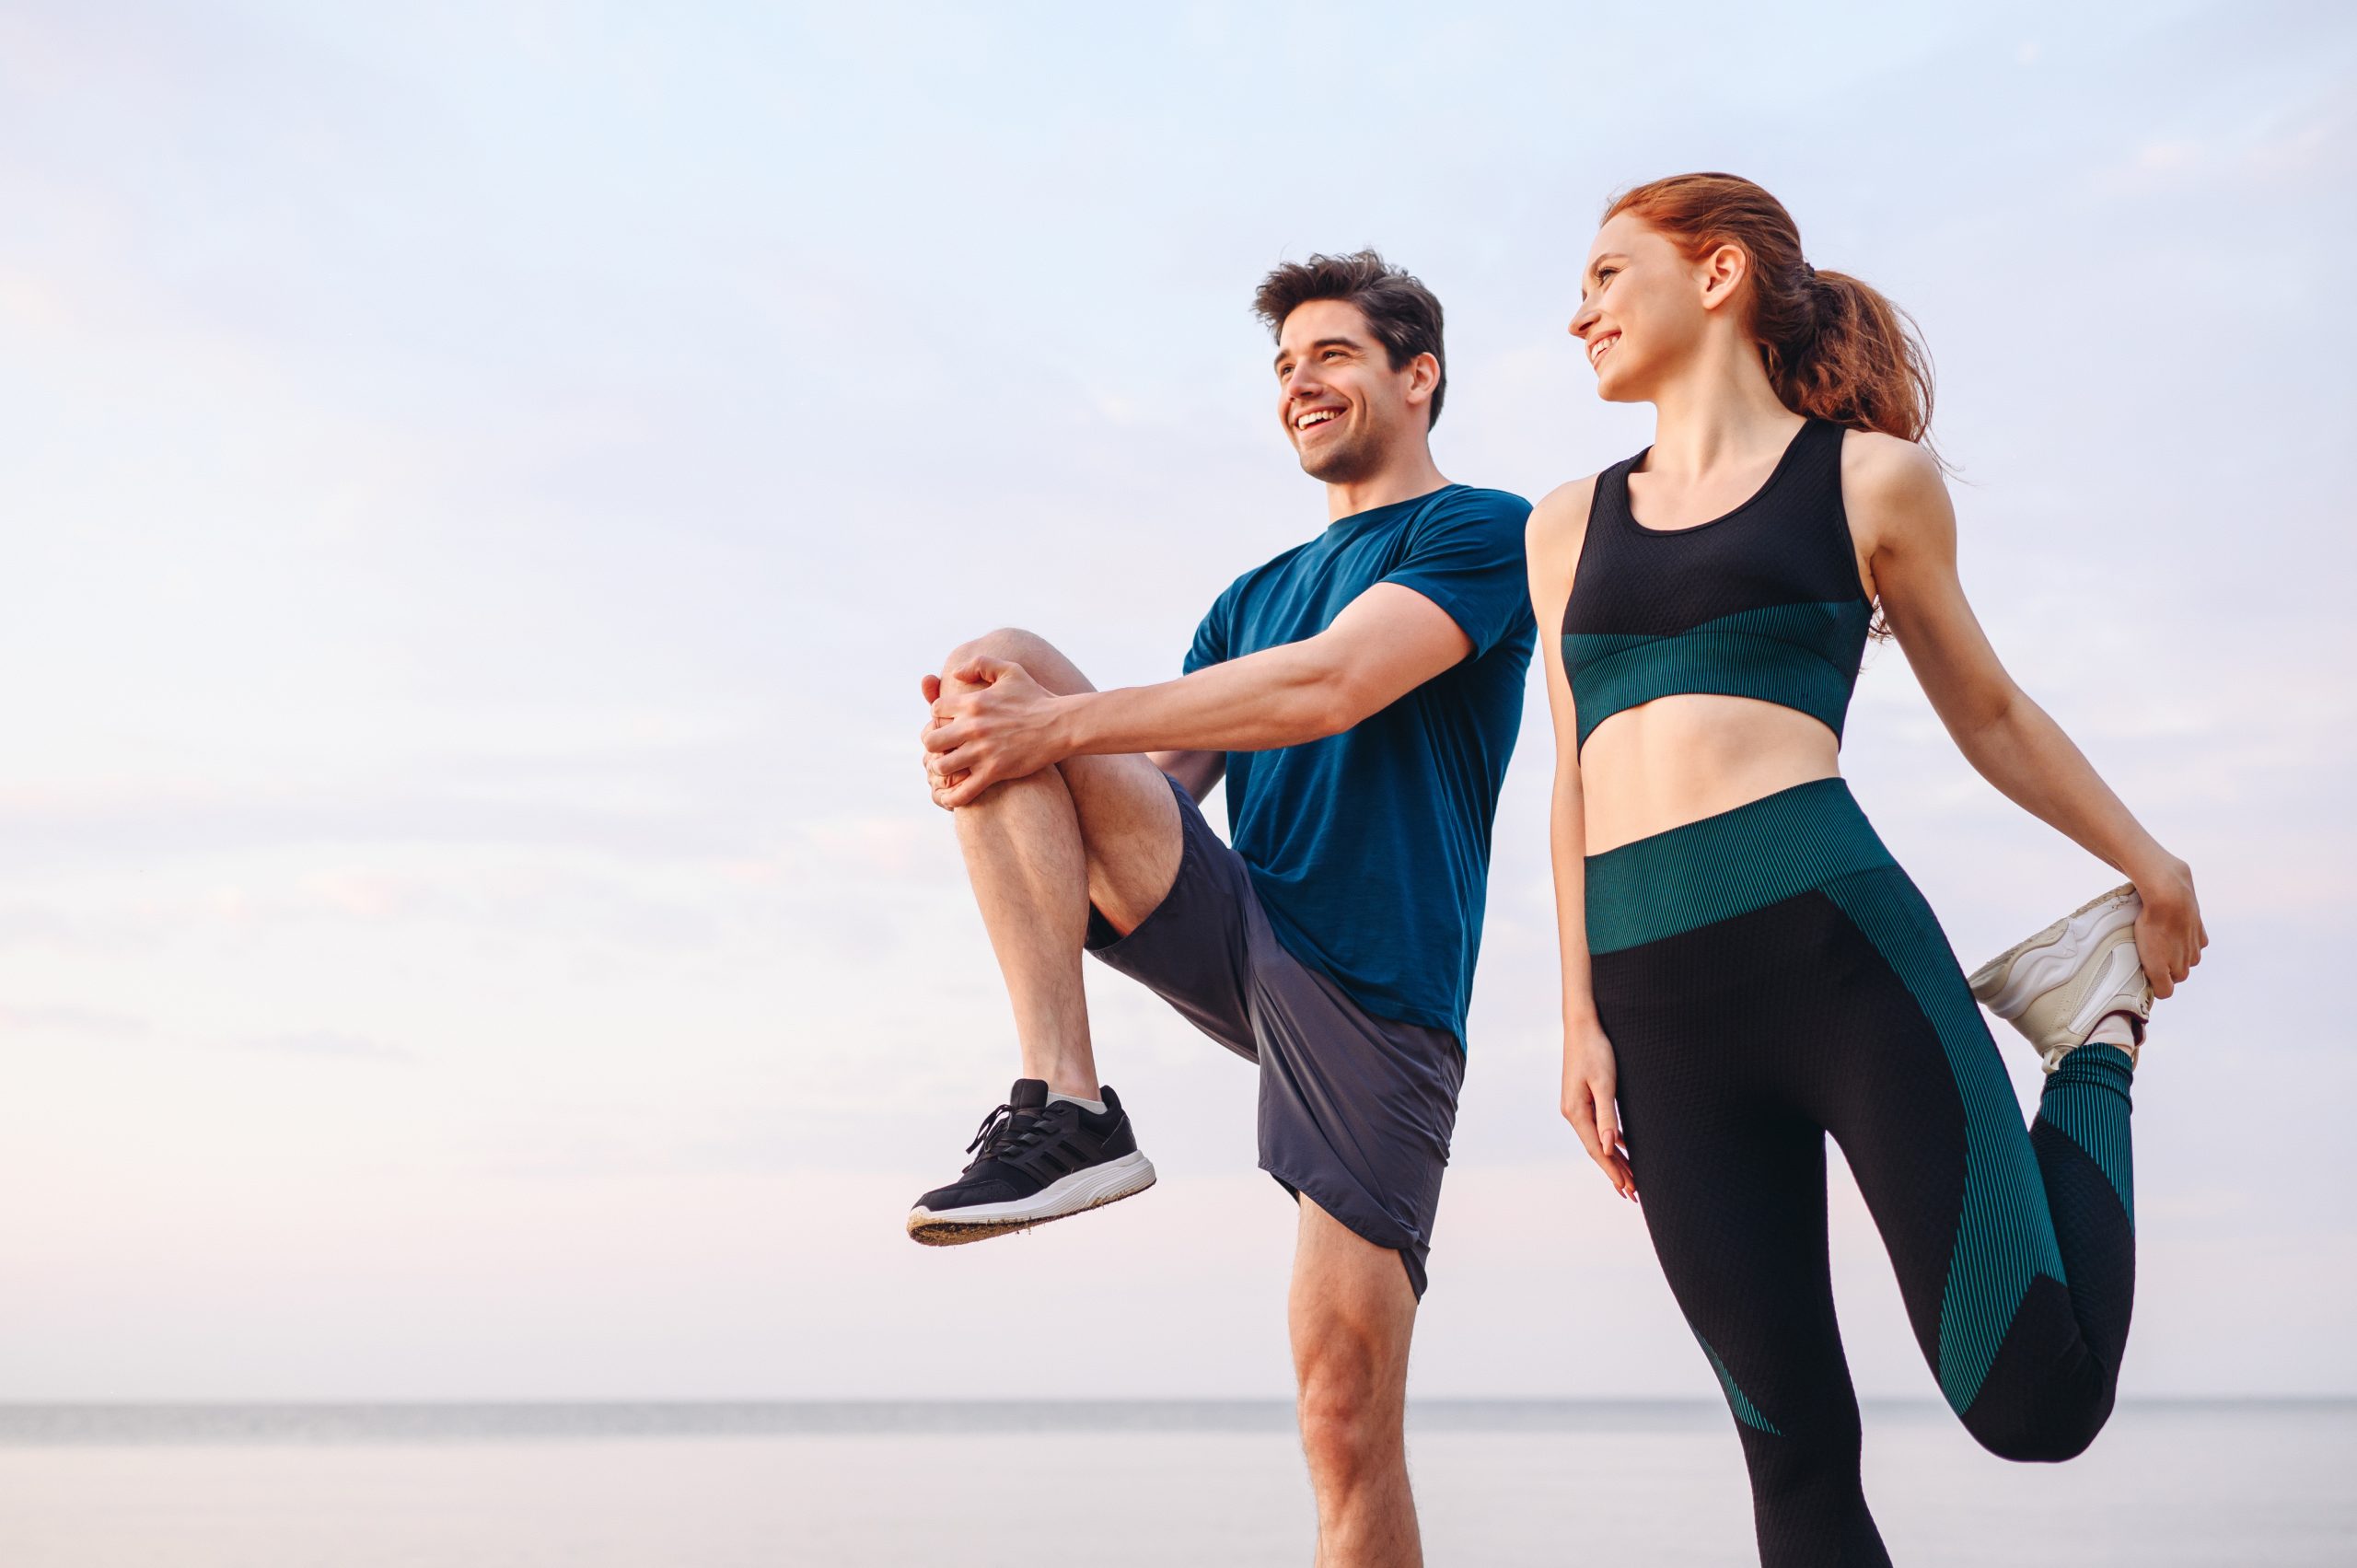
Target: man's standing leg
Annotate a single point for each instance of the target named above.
(1351, 1312)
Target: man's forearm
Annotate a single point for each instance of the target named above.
(1279, 697)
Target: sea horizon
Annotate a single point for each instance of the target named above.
(1503, 1483)
(38, 1422)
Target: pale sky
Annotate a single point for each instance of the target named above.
(480, 485)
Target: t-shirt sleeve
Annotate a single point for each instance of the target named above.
(1211, 636)
(1466, 558)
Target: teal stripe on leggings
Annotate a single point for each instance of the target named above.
(1721, 867)
(2005, 1237)
(2086, 1100)
(1745, 1410)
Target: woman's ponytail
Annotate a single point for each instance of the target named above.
(1833, 347)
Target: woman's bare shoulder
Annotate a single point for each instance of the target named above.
(1889, 468)
(1894, 491)
(1560, 520)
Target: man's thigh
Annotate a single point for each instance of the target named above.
(1129, 822)
(1351, 1311)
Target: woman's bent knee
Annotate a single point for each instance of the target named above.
(2045, 1430)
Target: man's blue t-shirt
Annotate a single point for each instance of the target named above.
(1370, 849)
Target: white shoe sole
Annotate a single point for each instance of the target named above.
(1091, 1186)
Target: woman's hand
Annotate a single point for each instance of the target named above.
(2169, 933)
(1590, 1080)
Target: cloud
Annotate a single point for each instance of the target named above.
(330, 1045)
(81, 1023)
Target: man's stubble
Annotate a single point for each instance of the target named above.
(1346, 461)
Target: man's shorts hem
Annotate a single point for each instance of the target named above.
(1412, 1254)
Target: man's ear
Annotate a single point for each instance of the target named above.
(1423, 375)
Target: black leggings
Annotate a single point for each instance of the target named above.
(1767, 976)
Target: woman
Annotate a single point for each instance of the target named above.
(1745, 968)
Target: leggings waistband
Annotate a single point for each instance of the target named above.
(1716, 867)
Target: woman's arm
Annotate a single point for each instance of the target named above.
(1894, 489)
(1551, 547)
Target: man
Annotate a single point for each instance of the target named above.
(1361, 692)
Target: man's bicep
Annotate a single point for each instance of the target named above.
(1394, 639)
(1469, 560)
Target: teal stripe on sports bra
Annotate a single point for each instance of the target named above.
(1797, 656)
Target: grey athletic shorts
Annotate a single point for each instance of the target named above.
(1355, 1111)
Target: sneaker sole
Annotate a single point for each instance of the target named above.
(2007, 983)
(1092, 1188)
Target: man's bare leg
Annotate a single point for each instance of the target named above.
(1038, 850)
(1029, 874)
(1351, 1312)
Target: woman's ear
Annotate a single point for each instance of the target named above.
(1720, 271)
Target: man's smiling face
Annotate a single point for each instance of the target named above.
(1342, 403)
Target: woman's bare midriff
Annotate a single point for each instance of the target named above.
(1677, 760)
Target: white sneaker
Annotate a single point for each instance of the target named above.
(2058, 985)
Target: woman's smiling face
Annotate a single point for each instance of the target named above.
(1643, 307)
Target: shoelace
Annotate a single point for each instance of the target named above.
(1007, 1133)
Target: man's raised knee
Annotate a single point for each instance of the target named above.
(1005, 642)
(1017, 647)
(1040, 659)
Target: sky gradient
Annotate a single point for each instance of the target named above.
(480, 485)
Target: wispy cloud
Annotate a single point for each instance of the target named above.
(81, 1023)
(330, 1045)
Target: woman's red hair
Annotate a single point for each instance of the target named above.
(1832, 346)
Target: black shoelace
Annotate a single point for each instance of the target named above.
(1009, 1134)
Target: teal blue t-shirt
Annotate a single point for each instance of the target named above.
(1370, 849)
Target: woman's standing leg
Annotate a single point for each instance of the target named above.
(1732, 1180)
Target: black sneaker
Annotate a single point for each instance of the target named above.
(1034, 1162)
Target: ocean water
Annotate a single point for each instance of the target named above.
(1499, 1485)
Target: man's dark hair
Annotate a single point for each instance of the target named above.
(1402, 311)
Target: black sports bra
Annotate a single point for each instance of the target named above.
(1763, 602)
